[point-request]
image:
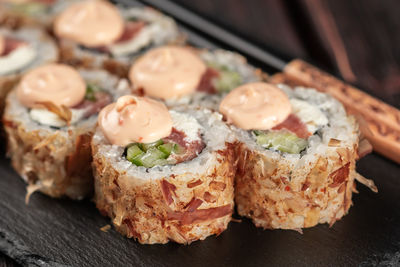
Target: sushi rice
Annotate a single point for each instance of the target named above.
(279, 190)
(54, 159)
(155, 205)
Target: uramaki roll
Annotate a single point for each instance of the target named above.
(225, 71)
(23, 49)
(50, 155)
(138, 29)
(15, 12)
(186, 200)
(301, 172)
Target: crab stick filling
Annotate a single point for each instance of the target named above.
(167, 72)
(14, 54)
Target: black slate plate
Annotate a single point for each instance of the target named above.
(50, 232)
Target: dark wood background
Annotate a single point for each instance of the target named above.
(357, 40)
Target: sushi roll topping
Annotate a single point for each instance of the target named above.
(179, 71)
(57, 83)
(92, 23)
(256, 106)
(14, 54)
(57, 95)
(135, 120)
(167, 72)
(99, 26)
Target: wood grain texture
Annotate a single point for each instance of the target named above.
(381, 121)
(265, 23)
(371, 37)
(369, 33)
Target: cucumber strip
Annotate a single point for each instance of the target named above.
(166, 148)
(152, 157)
(133, 151)
(146, 147)
(178, 149)
(152, 154)
(30, 9)
(282, 141)
(91, 90)
(137, 160)
(227, 81)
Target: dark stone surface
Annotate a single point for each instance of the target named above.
(50, 232)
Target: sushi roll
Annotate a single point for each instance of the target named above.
(296, 157)
(21, 50)
(49, 119)
(162, 174)
(190, 76)
(97, 34)
(17, 12)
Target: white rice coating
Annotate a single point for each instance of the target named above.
(215, 136)
(47, 52)
(340, 127)
(140, 205)
(46, 49)
(162, 30)
(293, 191)
(41, 154)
